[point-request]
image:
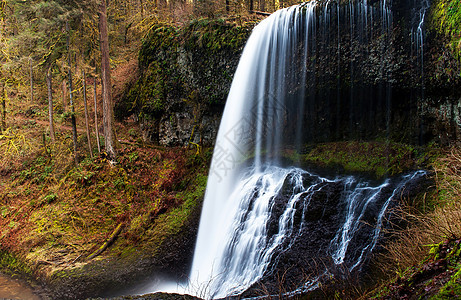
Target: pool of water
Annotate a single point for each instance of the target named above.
(11, 288)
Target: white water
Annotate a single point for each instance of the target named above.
(234, 247)
(228, 256)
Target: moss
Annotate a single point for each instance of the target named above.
(161, 37)
(12, 265)
(154, 193)
(452, 288)
(172, 222)
(377, 158)
(189, 65)
(446, 18)
(214, 35)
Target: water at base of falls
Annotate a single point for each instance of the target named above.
(273, 209)
(257, 214)
(15, 289)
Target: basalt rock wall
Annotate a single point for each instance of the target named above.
(374, 71)
(185, 74)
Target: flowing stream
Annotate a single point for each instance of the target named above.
(257, 206)
(15, 289)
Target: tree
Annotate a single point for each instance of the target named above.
(4, 58)
(31, 81)
(72, 108)
(3, 98)
(50, 103)
(64, 95)
(96, 116)
(107, 107)
(86, 115)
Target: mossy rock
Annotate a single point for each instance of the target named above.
(376, 158)
(186, 70)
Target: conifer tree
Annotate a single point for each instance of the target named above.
(50, 103)
(87, 123)
(107, 108)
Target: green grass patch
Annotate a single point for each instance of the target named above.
(377, 158)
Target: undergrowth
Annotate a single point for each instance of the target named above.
(55, 214)
(423, 251)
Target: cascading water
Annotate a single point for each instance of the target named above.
(257, 208)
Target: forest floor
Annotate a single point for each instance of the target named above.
(59, 219)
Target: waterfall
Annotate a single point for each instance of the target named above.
(257, 206)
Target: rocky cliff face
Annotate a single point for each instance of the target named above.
(360, 67)
(185, 76)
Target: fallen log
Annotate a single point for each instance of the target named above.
(262, 13)
(108, 242)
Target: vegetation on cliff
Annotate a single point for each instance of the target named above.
(446, 19)
(185, 70)
(376, 158)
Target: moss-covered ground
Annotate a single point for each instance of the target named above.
(377, 158)
(55, 214)
(54, 219)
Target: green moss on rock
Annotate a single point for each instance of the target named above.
(10, 264)
(376, 158)
(184, 70)
(446, 19)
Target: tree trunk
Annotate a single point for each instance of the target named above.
(64, 96)
(96, 117)
(142, 9)
(72, 109)
(4, 95)
(262, 5)
(127, 27)
(31, 82)
(50, 103)
(107, 105)
(86, 115)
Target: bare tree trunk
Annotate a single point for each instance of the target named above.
(64, 96)
(74, 123)
(86, 115)
(107, 105)
(96, 117)
(262, 5)
(127, 27)
(31, 81)
(50, 103)
(4, 95)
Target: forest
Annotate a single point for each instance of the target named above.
(109, 115)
